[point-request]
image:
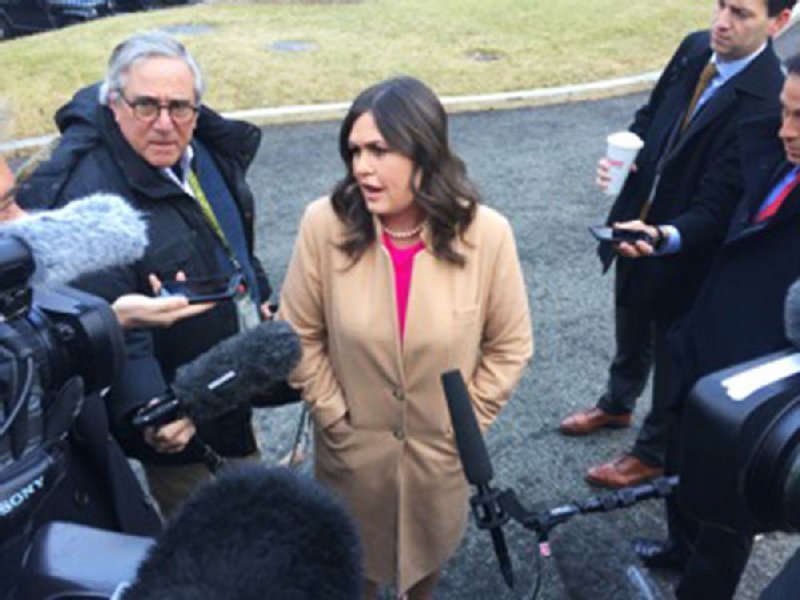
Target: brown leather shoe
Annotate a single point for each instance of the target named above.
(590, 420)
(623, 471)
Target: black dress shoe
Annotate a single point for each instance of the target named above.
(657, 554)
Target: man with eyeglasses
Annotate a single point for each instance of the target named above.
(145, 135)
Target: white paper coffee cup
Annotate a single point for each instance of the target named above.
(623, 146)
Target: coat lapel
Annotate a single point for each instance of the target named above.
(715, 107)
(763, 164)
(789, 210)
(693, 68)
(748, 81)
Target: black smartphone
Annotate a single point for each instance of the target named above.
(604, 233)
(165, 410)
(209, 289)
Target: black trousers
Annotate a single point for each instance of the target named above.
(641, 344)
(630, 367)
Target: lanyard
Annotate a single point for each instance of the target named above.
(208, 213)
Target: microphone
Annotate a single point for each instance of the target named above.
(240, 370)
(791, 314)
(87, 235)
(477, 468)
(254, 533)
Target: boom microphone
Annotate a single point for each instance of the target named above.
(239, 370)
(254, 533)
(469, 441)
(791, 314)
(88, 235)
(477, 468)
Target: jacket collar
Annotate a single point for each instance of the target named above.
(138, 173)
(237, 141)
(750, 81)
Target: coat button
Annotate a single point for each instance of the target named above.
(399, 395)
(399, 434)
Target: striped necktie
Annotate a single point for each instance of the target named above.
(778, 194)
(706, 75)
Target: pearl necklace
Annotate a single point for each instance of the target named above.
(403, 235)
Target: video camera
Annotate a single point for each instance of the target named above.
(56, 344)
(740, 463)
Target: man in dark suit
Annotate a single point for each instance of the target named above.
(738, 315)
(682, 194)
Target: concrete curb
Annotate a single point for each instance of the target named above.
(455, 103)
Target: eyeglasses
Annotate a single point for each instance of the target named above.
(148, 109)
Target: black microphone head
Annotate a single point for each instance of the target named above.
(791, 314)
(469, 440)
(243, 366)
(254, 533)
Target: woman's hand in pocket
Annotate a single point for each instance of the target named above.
(338, 431)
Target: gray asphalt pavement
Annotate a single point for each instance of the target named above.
(536, 166)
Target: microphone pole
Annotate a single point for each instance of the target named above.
(489, 513)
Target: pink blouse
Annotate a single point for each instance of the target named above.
(403, 263)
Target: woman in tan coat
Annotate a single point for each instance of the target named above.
(399, 276)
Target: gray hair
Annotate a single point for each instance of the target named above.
(146, 45)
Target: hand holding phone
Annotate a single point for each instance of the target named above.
(208, 289)
(615, 235)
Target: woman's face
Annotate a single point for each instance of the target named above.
(383, 175)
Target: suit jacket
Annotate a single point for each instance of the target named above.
(696, 174)
(397, 467)
(738, 314)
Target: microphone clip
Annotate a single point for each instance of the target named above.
(487, 508)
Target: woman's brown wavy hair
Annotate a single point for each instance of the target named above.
(413, 123)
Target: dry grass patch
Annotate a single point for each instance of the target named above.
(537, 44)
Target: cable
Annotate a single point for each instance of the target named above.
(537, 586)
(20, 399)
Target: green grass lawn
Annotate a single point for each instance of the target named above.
(536, 43)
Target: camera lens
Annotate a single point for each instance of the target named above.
(772, 479)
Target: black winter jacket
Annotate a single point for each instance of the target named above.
(93, 156)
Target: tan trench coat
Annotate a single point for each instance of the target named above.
(397, 468)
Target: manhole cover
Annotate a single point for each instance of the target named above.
(292, 46)
(485, 55)
(188, 29)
